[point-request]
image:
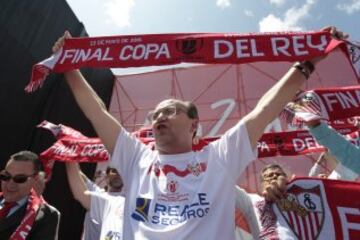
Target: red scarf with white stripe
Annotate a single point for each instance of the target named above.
(324, 104)
(71, 145)
(24, 228)
(165, 49)
(292, 143)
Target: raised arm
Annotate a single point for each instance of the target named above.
(77, 184)
(105, 125)
(324, 158)
(272, 102)
(345, 152)
(275, 99)
(244, 203)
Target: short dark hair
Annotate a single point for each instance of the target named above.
(270, 166)
(28, 156)
(192, 111)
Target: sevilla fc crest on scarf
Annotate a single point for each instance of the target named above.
(303, 211)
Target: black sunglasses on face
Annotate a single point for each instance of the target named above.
(20, 178)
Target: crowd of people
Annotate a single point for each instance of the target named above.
(169, 192)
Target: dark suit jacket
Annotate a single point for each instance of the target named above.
(45, 226)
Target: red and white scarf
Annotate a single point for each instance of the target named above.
(323, 104)
(314, 209)
(74, 146)
(354, 56)
(296, 143)
(33, 205)
(71, 145)
(291, 143)
(165, 49)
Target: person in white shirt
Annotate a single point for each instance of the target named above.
(244, 203)
(273, 180)
(92, 229)
(105, 208)
(173, 192)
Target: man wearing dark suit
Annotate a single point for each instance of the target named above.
(17, 181)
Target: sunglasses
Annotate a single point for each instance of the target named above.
(20, 178)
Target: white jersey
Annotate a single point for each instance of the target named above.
(91, 227)
(246, 203)
(182, 196)
(108, 210)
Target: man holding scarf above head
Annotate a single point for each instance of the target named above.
(23, 213)
(105, 208)
(173, 192)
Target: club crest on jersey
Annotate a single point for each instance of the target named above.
(172, 186)
(303, 211)
(196, 168)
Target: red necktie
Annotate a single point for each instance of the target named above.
(6, 209)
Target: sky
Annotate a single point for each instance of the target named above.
(120, 17)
